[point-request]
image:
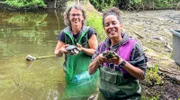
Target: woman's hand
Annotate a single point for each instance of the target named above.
(80, 47)
(63, 49)
(112, 57)
(95, 63)
(114, 60)
(60, 49)
(100, 59)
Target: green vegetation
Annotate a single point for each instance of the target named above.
(135, 4)
(25, 3)
(148, 98)
(103, 4)
(152, 78)
(95, 20)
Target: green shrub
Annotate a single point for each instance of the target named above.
(152, 77)
(95, 20)
(103, 4)
(25, 3)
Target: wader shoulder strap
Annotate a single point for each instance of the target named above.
(70, 36)
(81, 35)
(79, 40)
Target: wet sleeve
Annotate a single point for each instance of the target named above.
(138, 58)
(91, 31)
(61, 37)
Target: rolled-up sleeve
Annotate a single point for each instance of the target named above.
(138, 58)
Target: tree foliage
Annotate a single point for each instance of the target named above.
(135, 4)
(103, 4)
(25, 3)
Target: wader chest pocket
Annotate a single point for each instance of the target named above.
(112, 76)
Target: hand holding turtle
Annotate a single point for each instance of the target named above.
(79, 47)
(100, 59)
(110, 54)
(72, 49)
(63, 49)
(112, 57)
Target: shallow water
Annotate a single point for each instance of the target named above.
(32, 33)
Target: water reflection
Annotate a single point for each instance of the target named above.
(31, 33)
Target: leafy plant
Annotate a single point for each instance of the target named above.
(25, 3)
(152, 77)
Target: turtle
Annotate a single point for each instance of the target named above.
(110, 54)
(72, 49)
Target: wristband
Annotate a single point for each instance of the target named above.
(122, 64)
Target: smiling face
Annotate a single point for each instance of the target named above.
(112, 26)
(76, 17)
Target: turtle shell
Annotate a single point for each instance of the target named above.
(71, 47)
(110, 54)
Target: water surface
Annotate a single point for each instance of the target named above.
(33, 33)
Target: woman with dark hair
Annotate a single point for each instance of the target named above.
(120, 60)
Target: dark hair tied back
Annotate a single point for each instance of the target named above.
(112, 11)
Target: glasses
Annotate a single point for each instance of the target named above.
(73, 15)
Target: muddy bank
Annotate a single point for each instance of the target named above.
(167, 91)
(151, 29)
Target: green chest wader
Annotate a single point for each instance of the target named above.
(113, 83)
(79, 90)
(75, 65)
